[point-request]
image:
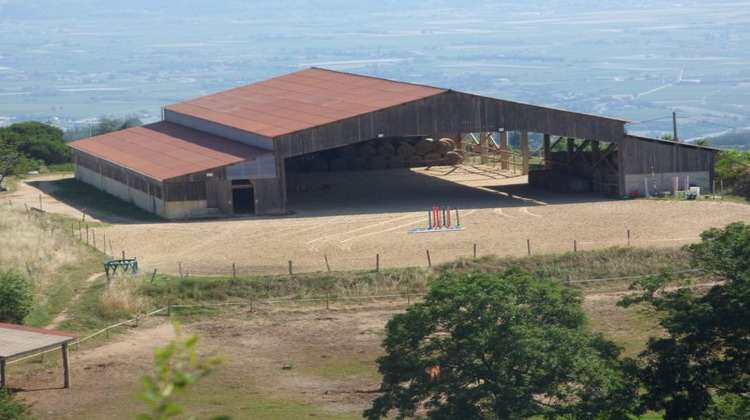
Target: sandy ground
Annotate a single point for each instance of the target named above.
(352, 218)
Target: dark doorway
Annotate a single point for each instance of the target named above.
(243, 196)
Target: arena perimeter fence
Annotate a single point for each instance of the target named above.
(255, 306)
(348, 260)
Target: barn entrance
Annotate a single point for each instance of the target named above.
(243, 196)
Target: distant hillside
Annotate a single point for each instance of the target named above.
(738, 140)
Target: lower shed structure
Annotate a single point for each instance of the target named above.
(228, 152)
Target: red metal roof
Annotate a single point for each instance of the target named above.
(165, 150)
(301, 100)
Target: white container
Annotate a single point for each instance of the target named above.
(696, 191)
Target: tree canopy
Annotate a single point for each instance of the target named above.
(16, 297)
(36, 140)
(508, 345)
(703, 365)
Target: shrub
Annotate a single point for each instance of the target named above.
(16, 297)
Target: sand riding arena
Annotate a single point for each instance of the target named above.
(365, 216)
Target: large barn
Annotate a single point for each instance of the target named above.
(229, 152)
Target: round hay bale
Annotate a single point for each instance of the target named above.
(452, 158)
(405, 150)
(432, 159)
(367, 151)
(386, 149)
(414, 161)
(378, 162)
(358, 164)
(449, 141)
(396, 162)
(443, 146)
(339, 164)
(424, 147)
(318, 165)
(348, 152)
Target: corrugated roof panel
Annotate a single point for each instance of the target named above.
(164, 150)
(301, 100)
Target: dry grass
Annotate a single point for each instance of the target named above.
(123, 297)
(33, 244)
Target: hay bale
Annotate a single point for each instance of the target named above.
(405, 150)
(317, 165)
(396, 162)
(348, 152)
(366, 151)
(414, 161)
(339, 164)
(449, 141)
(452, 158)
(423, 147)
(432, 159)
(378, 162)
(444, 146)
(386, 149)
(358, 164)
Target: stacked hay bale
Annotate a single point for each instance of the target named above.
(387, 153)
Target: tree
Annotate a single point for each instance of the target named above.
(16, 297)
(13, 163)
(36, 140)
(110, 125)
(507, 345)
(703, 365)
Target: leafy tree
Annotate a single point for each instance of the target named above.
(16, 297)
(36, 141)
(11, 408)
(176, 368)
(703, 365)
(14, 163)
(508, 345)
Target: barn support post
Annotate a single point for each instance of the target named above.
(525, 152)
(547, 152)
(504, 156)
(2, 373)
(66, 365)
(483, 147)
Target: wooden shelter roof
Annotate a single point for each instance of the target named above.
(16, 340)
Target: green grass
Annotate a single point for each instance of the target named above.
(83, 196)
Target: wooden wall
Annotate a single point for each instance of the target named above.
(450, 112)
(642, 155)
(122, 175)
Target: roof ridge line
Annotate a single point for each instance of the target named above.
(380, 78)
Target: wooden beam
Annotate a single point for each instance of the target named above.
(66, 366)
(559, 139)
(484, 147)
(2, 373)
(504, 151)
(577, 152)
(525, 152)
(547, 152)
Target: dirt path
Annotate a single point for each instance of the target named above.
(29, 191)
(63, 315)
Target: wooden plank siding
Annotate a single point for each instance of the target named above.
(449, 112)
(643, 155)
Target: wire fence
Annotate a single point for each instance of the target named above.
(255, 304)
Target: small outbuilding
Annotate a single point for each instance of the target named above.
(20, 340)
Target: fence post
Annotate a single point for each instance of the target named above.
(628, 237)
(328, 296)
(87, 234)
(169, 307)
(475, 251)
(80, 232)
(328, 266)
(429, 260)
(377, 262)
(575, 245)
(93, 235)
(234, 271)
(251, 303)
(290, 267)
(528, 246)
(179, 265)
(153, 275)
